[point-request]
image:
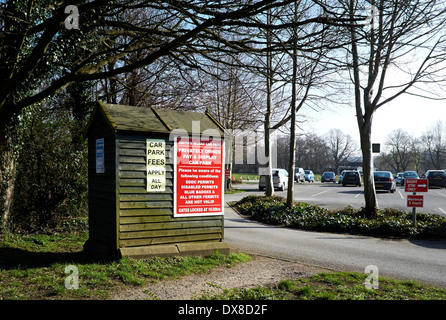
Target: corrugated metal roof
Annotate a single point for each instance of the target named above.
(140, 119)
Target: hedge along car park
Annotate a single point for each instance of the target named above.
(437, 178)
(384, 181)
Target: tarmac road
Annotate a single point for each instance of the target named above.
(334, 195)
(423, 261)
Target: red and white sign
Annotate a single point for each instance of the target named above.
(228, 174)
(198, 177)
(416, 185)
(415, 201)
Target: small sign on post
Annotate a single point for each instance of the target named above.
(376, 147)
(414, 201)
(227, 174)
(416, 185)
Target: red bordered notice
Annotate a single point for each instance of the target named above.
(415, 201)
(198, 177)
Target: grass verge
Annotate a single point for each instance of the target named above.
(33, 267)
(334, 286)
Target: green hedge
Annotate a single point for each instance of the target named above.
(389, 223)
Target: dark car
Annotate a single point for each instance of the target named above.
(399, 178)
(351, 177)
(409, 175)
(328, 177)
(437, 178)
(384, 181)
(341, 176)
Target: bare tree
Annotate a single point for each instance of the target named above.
(312, 152)
(341, 147)
(40, 56)
(399, 145)
(435, 141)
(399, 36)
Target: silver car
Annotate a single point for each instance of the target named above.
(280, 180)
(299, 174)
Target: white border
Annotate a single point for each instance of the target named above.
(185, 215)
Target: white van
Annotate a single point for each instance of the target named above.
(280, 180)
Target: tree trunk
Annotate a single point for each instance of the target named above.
(371, 204)
(268, 174)
(292, 154)
(269, 105)
(7, 167)
(9, 193)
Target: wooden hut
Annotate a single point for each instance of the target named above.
(128, 214)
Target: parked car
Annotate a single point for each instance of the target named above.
(299, 175)
(351, 177)
(328, 176)
(399, 179)
(409, 175)
(437, 178)
(341, 176)
(280, 180)
(309, 176)
(384, 181)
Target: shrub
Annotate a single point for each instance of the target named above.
(388, 223)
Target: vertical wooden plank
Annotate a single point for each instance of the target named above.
(102, 193)
(117, 191)
(133, 200)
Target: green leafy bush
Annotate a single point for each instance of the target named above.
(50, 188)
(388, 223)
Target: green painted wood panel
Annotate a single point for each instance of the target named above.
(147, 218)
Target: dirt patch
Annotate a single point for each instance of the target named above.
(257, 272)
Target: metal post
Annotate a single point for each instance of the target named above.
(414, 214)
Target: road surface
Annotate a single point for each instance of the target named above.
(420, 260)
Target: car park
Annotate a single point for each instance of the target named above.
(299, 175)
(409, 175)
(351, 177)
(280, 179)
(328, 176)
(436, 178)
(309, 176)
(384, 181)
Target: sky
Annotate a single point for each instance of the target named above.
(413, 115)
